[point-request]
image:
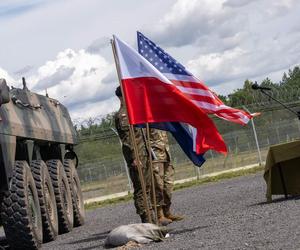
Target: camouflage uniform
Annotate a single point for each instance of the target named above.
(122, 126)
(163, 170)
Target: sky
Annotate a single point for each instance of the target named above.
(64, 45)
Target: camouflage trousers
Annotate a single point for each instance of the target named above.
(163, 173)
(137, 188)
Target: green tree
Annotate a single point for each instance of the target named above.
(268, 83)
(223, 98)
(242, 96)
(293, 78)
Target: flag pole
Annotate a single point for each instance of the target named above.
(132, 136)
(150, 152)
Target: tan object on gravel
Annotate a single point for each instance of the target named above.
(140, 233)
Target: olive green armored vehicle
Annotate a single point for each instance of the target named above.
(40, 194)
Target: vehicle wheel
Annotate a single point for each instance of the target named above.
(77, 198)
(21, 213)
(62, 195)
(1, 199)
(47, 201)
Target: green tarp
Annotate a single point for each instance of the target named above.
(282, 170)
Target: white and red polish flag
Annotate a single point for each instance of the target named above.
(150, 97)
(189, 85)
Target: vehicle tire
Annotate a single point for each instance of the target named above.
(1, 200)
(62, 195)
(21, 215)
(47, 200)
(77, 198)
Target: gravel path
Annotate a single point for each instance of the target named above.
(230, 214)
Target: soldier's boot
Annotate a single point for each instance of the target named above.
(170, 216)
(162, 220)
(144, 217)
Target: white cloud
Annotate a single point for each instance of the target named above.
(24, 71)
(83, 82)
(98, 45)
(95, 109)
(236, 3)
(232, 40)
(202, 22)
(187, 21)
(77, 79)
(4, 74)
(63, 73)
(35, 36)
(211, 66)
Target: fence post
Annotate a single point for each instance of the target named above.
(90, 174)
(255, 137)
(278, 137)
(125, 164)
(197, 172)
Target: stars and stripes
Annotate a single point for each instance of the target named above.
(189, 85)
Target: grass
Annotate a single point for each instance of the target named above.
(181, 186)
(116, 180)
(183, 170)
(98, 204)
(218, 177)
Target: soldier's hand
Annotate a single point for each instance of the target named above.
(135, 163)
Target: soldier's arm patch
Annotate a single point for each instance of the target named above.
(124, 120)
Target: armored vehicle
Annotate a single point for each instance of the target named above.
(40, 194)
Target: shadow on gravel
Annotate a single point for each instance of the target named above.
(103, 235)
(186, 230)
(278, 200)
(94, 237)
(91, 248)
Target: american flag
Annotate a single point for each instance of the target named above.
(188, 84)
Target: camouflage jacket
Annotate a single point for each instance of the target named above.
(160, 144)
(122, 126)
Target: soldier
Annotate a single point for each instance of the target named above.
(163, 172)
(122, 126)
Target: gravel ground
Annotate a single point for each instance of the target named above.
(230, 214)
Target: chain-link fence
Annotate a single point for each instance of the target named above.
(103, 171)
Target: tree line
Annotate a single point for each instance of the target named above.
(286, 90)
